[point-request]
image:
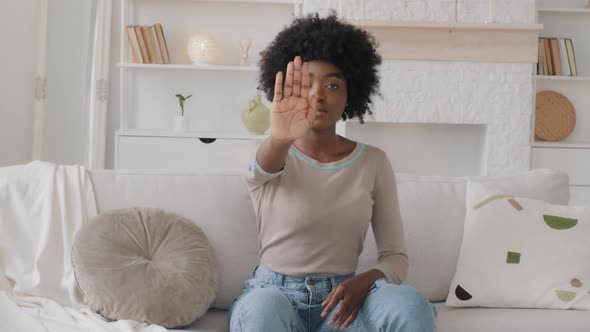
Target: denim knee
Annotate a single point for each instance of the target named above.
(263, 309)
(414, 300)
(401, 308)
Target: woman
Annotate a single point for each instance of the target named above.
(315, 193)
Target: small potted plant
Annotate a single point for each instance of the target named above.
(180, 120)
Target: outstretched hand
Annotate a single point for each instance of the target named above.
(292, 110)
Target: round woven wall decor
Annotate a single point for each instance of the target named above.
(555, 117)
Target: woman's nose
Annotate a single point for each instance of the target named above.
(316, 91)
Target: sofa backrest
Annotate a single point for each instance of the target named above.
(432, 208)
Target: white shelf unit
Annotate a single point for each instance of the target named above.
(571, 155)
(216, 138)
(180, 19)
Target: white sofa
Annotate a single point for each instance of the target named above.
(432, 211)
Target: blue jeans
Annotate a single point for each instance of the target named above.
(276, 302)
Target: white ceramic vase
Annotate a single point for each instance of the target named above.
(180, 124)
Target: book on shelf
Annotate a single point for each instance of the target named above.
(542, 68)
(148, 44)
(556, 57)
(134, 44)
(569, 45)
(565, 68)
(162, 43)
(548, 56)
(155, 45)
(147, 38)
(555, 60)
(142, 48)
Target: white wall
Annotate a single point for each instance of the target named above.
(18, 37)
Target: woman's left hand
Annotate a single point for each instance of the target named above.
(351, 294)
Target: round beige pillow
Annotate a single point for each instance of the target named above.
(145, 264)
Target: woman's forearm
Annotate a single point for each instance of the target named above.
(272, 154)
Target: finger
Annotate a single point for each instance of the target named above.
(334, 300)
(350, 319)
(339, 318)
(278, 87)
(305, 80)
(289, 81)
(342, 313)
(297, 77)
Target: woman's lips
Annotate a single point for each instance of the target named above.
(321, 113)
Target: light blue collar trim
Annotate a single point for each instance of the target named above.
(328, 168)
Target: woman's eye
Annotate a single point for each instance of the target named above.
(332, 86)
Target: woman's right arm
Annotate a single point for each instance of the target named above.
(272, 154)
(290, 118)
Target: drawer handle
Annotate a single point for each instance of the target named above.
(207, 140)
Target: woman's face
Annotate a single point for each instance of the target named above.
(329, 87)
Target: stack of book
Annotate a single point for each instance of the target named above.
(556, 57)
(148, 44)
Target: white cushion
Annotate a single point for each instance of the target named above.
(521, 253)
(433, 214)
(453, 319)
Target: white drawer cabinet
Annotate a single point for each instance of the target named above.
(184, 154)
(575, 162)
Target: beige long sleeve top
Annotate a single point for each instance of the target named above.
(312, 217)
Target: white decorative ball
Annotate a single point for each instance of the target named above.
(202, 49)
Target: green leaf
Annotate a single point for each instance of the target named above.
(559, 223)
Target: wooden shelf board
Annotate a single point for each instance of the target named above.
(446, 25)
(444, 41)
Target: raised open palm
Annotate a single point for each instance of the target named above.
(292, 110)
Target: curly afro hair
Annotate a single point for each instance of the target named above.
(347, 47)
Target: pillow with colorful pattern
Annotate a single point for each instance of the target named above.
(521, 253)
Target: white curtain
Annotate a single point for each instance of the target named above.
(40, 82)
(99, 85)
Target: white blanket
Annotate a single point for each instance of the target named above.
(42, 206)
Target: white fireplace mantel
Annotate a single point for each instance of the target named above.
(436, 41)
(461, 73)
